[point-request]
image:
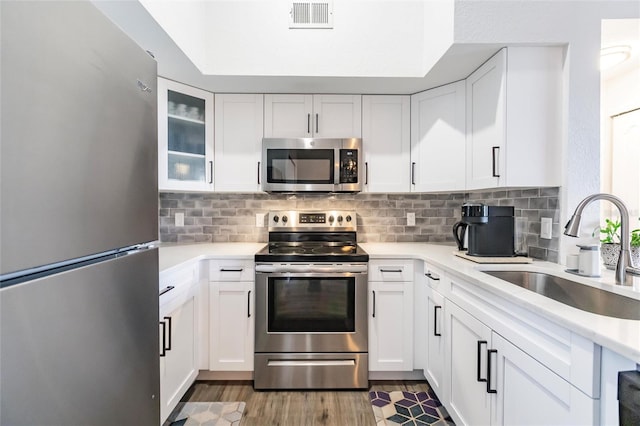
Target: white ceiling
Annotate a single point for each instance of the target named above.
(457, 63)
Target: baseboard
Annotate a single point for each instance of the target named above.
(224, 375)
(396, 375)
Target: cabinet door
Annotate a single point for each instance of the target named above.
(185, 137)
(469, 340)
(435, 335)
(486, 111)
(288, 116)
(438, 139)
(231, 326)
(238, 142)
(550, 400)
(337, 116)
(391, 326)
(386, 137)
(178, 364)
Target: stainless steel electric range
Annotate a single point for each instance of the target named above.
(311, 303)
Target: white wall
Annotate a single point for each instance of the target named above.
(577, 24)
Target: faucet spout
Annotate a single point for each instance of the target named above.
(572, 229)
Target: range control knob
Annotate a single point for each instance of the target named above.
(284, 219)
(276, 218)
(331, 219)
(339, 218)
(348, 218)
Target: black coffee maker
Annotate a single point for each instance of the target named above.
(491, 230)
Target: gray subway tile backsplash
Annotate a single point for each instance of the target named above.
(230, 217)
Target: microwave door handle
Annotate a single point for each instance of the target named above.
(338, 166)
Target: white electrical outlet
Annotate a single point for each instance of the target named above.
(260, 220)
(179, 219)
(411, 219)
(545, 228)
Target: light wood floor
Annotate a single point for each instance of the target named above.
(298, 408)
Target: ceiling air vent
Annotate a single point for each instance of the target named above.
(311, 15)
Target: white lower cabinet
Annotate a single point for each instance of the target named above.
(435, 334)
(231, 316)
(178, 347)
(391, 315)
(493, 382)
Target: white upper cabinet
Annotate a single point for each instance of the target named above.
(185, 137)
(386, 140)
(304, 116)
(438, 139)
(238, 142)
(514, 119)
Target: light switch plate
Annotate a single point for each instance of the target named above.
(179, 219)
(545, 228)
(260, 220)
(411, 219)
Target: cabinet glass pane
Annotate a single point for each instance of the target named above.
(186, 123)
(183, 167)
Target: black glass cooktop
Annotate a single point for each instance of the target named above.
(283, 252)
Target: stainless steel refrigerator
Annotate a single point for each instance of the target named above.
(78, 191)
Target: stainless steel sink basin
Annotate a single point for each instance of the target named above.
(574, 294)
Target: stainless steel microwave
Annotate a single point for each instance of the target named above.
(312, 165)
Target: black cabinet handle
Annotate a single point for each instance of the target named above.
(231, 270)
(494, 161)
(168, 347)
(309, 123)
(433, 277)
(316, 122)
(166, 289)
(374, 303)
(163, 351)
(435, 321)
(211, 171)
(249, 304)
(413, 173)
(489, 353)
(366, 173)
(258, 173)
(479, 358)
(390, 270)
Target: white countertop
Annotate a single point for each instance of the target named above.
(175, 255)
(622, 336)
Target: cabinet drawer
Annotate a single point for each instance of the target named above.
(391, 270)
(178, 278)
(231, 270)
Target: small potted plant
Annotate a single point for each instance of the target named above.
(610, 244)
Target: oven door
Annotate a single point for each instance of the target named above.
(311, 312)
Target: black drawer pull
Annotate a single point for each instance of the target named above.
(433, 277)
(249, 304)
(166, 289)
(231, 270)
(390, 270)
(374, 303)
(494, 161)
(168, 347)
(479, 358)
(489, 353)
(435, 321)
(163, 351)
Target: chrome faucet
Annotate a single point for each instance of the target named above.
(572, 229)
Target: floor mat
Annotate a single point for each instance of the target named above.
(408, 408)
(206, 413)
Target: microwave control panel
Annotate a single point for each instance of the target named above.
(348, 166)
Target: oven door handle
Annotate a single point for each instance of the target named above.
(311, 269)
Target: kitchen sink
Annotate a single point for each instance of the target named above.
(574, 294)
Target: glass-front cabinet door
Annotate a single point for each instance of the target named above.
(185, 137)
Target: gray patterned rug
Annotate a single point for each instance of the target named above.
(408, 408)
(206, 414)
